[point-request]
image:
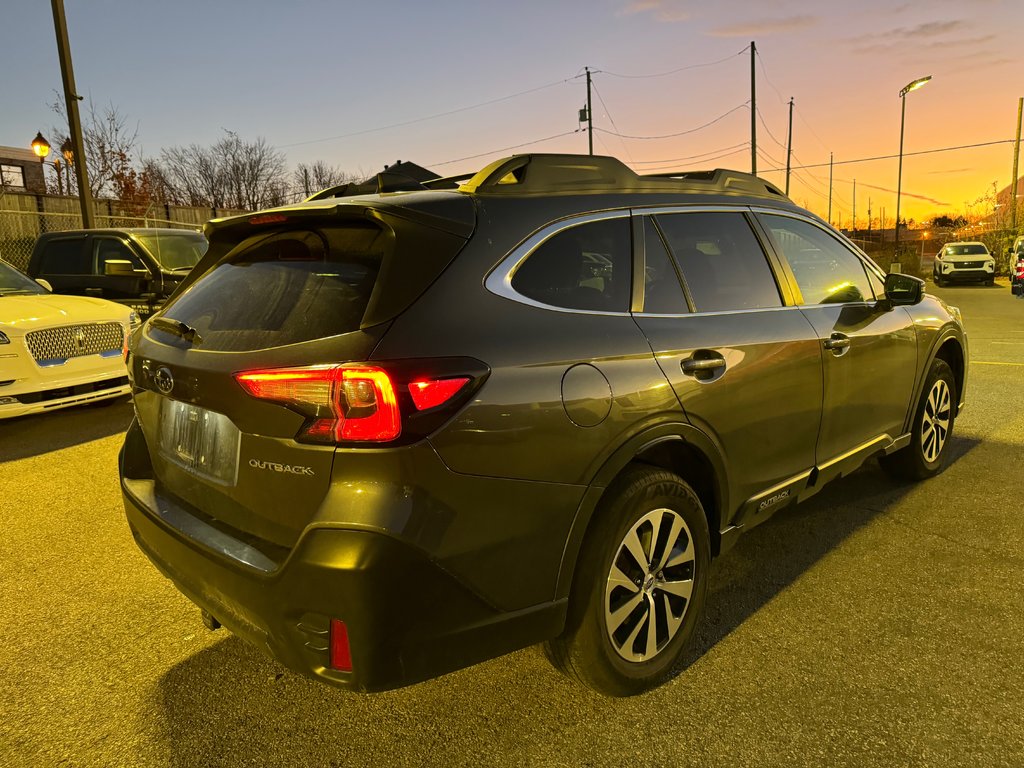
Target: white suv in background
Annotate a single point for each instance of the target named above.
(57, 351)
(964, 262)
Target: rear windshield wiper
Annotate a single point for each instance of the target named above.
(177, 328)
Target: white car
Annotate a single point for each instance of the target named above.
(55, 350)
(964, 262)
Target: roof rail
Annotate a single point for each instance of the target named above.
(724, 180)
(388, 181)
(574, 174)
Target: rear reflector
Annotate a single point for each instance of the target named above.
(346, 402)
(341, 654)
(435, 392)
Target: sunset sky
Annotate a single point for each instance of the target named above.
(360, 84)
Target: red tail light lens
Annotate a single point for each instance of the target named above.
(341, 654)
(346, 402)
(431, 393)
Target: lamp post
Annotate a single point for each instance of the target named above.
(68, 151)
(911, 86)
(42, 148)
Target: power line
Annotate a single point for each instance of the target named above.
(503, 149)
(681, 133)
(673, 71)
(668, 164)
(430, 117)
(813, 132)
(905, 154)
(764, 72)
(772, 135)
(608, 113)
(699, 155)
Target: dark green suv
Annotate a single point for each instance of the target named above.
(389, 435)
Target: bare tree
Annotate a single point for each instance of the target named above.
(314, 177)
(232, 173)
(109, 146)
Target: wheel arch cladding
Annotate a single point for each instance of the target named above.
(953, 354)
(690, 463)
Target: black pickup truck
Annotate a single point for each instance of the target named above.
(135, 266)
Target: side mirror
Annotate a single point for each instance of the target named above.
(121, 267)
(45, 284)
(903, 290)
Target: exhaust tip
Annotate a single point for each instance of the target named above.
(210, 621)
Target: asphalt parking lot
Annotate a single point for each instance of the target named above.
(876, 625)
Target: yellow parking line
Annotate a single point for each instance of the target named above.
(985, 362)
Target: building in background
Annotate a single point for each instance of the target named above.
(21, 171)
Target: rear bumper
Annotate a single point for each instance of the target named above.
(408, 619)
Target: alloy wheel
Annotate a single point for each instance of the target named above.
(649, 585)
(935, 421)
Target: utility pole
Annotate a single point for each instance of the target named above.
(71, 100)
(854, 207)
(1016, 158)
(869, 214)
(829, 187)
(789, 144)
(590, 117)
(753, 110)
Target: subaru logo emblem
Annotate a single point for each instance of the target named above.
(164, 380)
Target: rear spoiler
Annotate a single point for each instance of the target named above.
(388, 181)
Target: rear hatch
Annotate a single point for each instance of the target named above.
(307, 288)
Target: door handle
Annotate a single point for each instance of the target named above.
(702, 367)
(837, 342)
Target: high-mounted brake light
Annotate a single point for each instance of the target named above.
(434, 392)
(269, 218)
(346, 402)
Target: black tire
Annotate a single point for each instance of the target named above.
(991, 281)
(939, 282)
(657, 511)
(932, 431)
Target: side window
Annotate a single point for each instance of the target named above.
(721, 260)
(65, 257)
(826, 270)
(586, 267)
(663, 293)
(109, 249)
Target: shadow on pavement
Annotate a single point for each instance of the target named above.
(229, 704)
(41, 433)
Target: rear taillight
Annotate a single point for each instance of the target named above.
(392, 401)
(341, 653)
(344, 402)
(430, 393)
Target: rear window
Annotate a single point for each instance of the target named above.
(284, 289)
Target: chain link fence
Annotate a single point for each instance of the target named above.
(23, 217)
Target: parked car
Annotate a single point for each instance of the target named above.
(391, 435)
(140, 267)
(964, 262)
(1016, 256)
(58, 351)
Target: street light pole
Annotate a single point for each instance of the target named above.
(911, 86)
(74, 121)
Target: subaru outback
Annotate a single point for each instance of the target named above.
(390, 435)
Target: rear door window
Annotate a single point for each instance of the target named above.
(586, 267)
(663, 293)
(721, 260)
(66, 256)
(826, 271)
(286, 288)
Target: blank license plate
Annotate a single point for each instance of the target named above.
(202, 442)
